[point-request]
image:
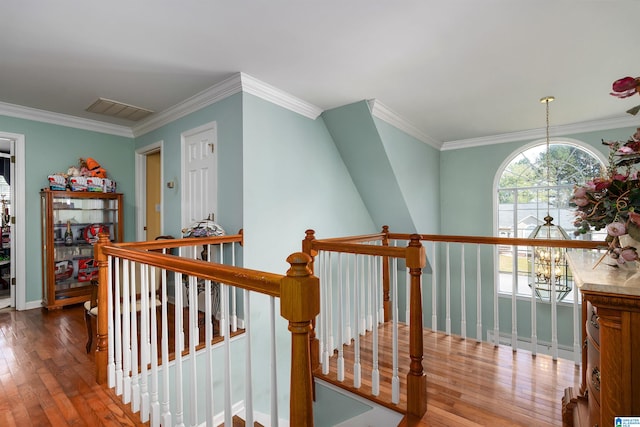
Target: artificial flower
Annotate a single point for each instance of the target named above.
(625, 87)
(611, 202)
(616, 229)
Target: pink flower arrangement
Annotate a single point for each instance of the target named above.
(612, 202)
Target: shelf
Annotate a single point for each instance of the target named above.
(73, 265)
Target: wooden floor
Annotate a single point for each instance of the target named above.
(46, 376)
(469, 383)
(47, 379)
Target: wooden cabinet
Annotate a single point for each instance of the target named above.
(71, 222)
(611, 351)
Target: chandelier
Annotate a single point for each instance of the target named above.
(550, 271)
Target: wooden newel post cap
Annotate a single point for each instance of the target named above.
(103, 237)
(416, 255)
(299, 290)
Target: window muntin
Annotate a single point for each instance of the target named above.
(536, 182)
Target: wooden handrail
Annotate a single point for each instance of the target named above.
(187, 241)
(252, 280)
(506, 241)
(298, 290)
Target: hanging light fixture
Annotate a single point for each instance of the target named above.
(550, 272)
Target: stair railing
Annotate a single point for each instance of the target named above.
(348, 284)
(139, 366)
(357, 270)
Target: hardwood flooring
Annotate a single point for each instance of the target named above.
(46, 376)
(469, 383)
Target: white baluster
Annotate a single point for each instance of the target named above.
(234, 297)
(179, 346)
(144, 341)
(194, 335)
(463, 295)
(514, 291)
(324, 311)
(208, 315)
(329, 312)
(248, 379)
(154, 409)
(534, 308)
(126, 333)
(375, 372)
(166, 402)
(577, 353)
(407, 287)
(357, 369)
(554, 311)
(135, 368)
(224, 289)
(370, 290)
(496, 284)
(478, 295)
(434, 288)
(395, 379)
(117, 344)
(111, 367)
(348, 334)
(340, 361)
(448, 292)
(274, 364)
(224, 306)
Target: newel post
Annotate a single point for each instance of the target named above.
(314, 344)
(299, 304)
(416, 378)
(386, 300)
(102, 321)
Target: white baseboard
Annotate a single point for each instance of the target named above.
(543, 347)
(33, 304)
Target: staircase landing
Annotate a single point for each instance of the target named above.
(468, 383)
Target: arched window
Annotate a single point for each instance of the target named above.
(529, 185)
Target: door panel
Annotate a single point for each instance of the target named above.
(201, 186)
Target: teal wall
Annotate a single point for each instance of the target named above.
(416, 167)
(294, 179)
(53, 148)
(228, 117)
(353, 130)
(466, 208)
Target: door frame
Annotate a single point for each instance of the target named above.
(141, 187)
(18, 230)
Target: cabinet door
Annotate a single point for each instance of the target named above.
(73, 223)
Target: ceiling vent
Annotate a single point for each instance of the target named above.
(111, 108)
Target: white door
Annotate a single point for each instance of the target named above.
(199, 174)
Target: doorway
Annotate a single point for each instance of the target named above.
(149, 192)
(12, 292)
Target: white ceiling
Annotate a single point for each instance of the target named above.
(454, 69)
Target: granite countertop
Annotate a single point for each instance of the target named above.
(605, 277)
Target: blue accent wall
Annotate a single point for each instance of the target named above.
(228, 117)
(53, 148)
(294, 179)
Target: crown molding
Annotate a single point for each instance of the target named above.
(581, 127)
(239, 82)
(385, 114)
(276, 96)
(218, 92)
(28, 113)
